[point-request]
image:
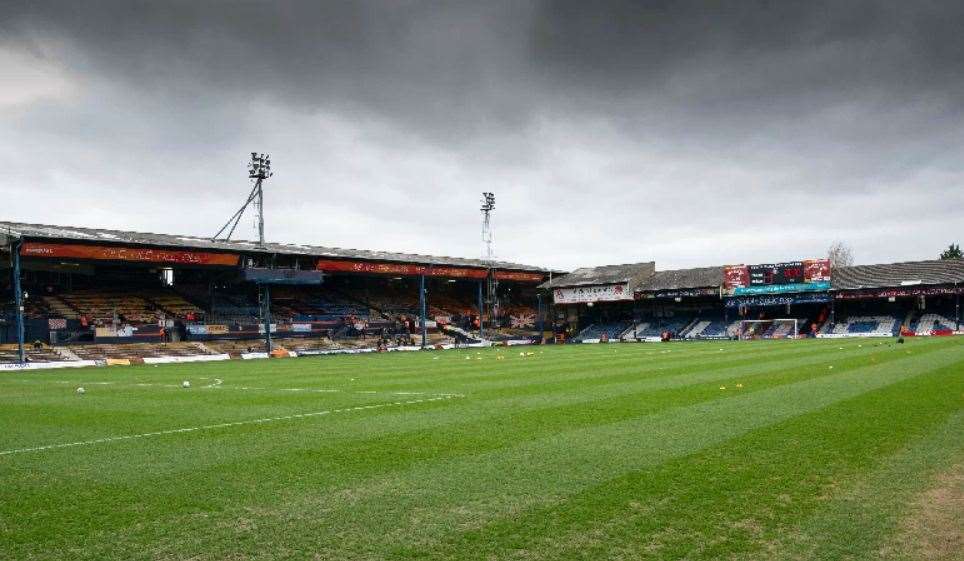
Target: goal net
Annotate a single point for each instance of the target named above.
(782, 328)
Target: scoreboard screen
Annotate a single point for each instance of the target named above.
(779, 273)
(770, 278)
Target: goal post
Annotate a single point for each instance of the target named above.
(781, 328)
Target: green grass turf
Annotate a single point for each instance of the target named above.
(629, 451)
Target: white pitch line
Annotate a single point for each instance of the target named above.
(218, 384)
(218, 426)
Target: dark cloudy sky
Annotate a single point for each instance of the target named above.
(689, 133)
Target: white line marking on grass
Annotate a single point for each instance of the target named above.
(263, 420)
(218, 384)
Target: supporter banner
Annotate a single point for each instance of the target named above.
(406, 269)
(523, 320)
(899, 292)
(597, 293)
(138, 254)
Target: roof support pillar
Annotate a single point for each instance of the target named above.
(539, 316)
(266, 302)
(957, 308)
(481, 310)
(422, 308)
(18, 300)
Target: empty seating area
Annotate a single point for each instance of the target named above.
(8, 353)
(865, 326)
(135, 351)
(302, 305)
(59, 308)
(101, 306)
(611, 330)
(930, 322)
(228, 307)
(705, 328)
(782, 329)
(237, 347)
(172, 304)
(655, 327)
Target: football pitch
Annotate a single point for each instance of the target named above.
(819, 449)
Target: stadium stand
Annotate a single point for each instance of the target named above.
(370, 298)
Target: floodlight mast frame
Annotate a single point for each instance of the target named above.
(259, 169)
(488, 257)
(794, 335)
(15, 272)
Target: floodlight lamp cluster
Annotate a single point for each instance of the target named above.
(488, 202)
(260, 166)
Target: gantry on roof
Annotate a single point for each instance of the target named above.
(71, 233)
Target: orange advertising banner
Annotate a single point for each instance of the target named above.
(138, 254)
(520, 276)
(406, 269)
(382, 268)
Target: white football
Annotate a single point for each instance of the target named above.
(185, 384)
(81, 390)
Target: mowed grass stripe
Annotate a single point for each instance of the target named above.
(220, 503)
(139, 412)
(591, 405)
(550, 469)
(629, 358)
(445, 496)
(865, 514)
(779, 492)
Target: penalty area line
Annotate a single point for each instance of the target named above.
(263, 420)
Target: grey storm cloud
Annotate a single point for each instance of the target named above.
(692, 133)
